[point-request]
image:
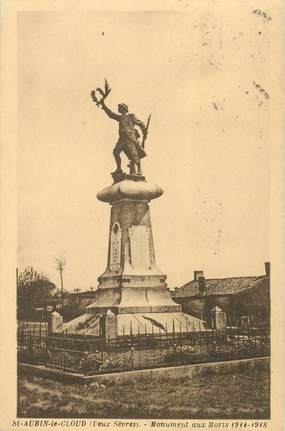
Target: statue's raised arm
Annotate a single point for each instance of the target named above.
(128, 135)
(110, 113)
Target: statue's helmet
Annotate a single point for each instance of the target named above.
(123, 106)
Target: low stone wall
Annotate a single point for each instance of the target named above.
(197, 370)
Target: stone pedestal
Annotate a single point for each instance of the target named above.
(132, 282)
(132, 288)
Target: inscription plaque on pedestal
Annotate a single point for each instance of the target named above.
(139, 239)
(115, 250)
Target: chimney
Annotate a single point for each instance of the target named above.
(202, 284)
(198, 274)
(267, 269)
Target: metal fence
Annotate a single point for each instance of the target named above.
(94, 355)
(33, 327)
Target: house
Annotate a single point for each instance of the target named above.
(74, 303)
(240, 297)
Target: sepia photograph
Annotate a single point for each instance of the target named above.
(143, 187)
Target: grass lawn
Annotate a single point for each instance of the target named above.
(244, 395)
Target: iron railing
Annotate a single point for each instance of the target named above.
(91, 355)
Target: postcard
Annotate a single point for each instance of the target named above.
(142, 215)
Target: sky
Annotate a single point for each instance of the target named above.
(201, 74)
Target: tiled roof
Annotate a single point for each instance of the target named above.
(220, 286)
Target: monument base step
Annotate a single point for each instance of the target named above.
(133, 300)
(112, 325)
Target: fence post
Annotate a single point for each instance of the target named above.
(207, 342)
(55, 322)
(218, 318)
(111, 325)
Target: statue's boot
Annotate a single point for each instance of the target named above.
(117, 171)
(118, 162)
(139, 169)
(132, 167)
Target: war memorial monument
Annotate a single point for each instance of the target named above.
(132, 295)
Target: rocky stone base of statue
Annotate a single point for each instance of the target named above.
(121, 176)
(139, 190)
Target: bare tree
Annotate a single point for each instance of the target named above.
(60, 264)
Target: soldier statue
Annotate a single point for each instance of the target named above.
(128, 134)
